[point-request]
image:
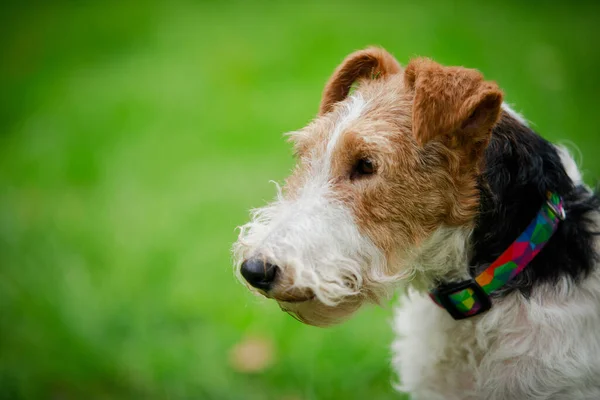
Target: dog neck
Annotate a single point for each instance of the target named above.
(520, 168)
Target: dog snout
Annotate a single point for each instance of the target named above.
(259, 273)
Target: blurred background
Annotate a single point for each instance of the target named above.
(135, 137)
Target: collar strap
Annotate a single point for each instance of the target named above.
(472, 297)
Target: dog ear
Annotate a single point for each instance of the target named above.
(453, 104)
(373, 63)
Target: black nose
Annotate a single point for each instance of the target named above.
(259, 273)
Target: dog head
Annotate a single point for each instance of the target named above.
(384, 190)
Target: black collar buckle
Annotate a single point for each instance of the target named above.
(441, 295)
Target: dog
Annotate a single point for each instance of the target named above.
(422, 179)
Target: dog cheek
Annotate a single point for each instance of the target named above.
(379, 216)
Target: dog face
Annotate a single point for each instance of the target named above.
(386, 177)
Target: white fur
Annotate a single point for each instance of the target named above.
(544, 347)
(314, 237)
(353, 109)
(569, 164)
(444, 253)
(508, 109)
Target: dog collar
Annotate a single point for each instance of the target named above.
(472, 297)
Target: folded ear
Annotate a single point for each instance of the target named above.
(373, 63)
(453, 104)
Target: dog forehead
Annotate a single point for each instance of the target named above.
(371, 114)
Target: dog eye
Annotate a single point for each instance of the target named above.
(363, 167)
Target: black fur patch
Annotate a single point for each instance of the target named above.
(520, 167)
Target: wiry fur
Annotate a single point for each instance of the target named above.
(541, 347)
(297, 235)
(295, 232)
(457, 176)
(539, 341)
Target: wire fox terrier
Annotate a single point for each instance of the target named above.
(422, 178)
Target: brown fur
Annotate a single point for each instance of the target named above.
(424, 129)
(458, 108)
(451, 101)
(368, 63)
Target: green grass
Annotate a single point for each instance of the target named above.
(135, 137)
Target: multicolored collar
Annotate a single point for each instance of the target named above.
(472, 297)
